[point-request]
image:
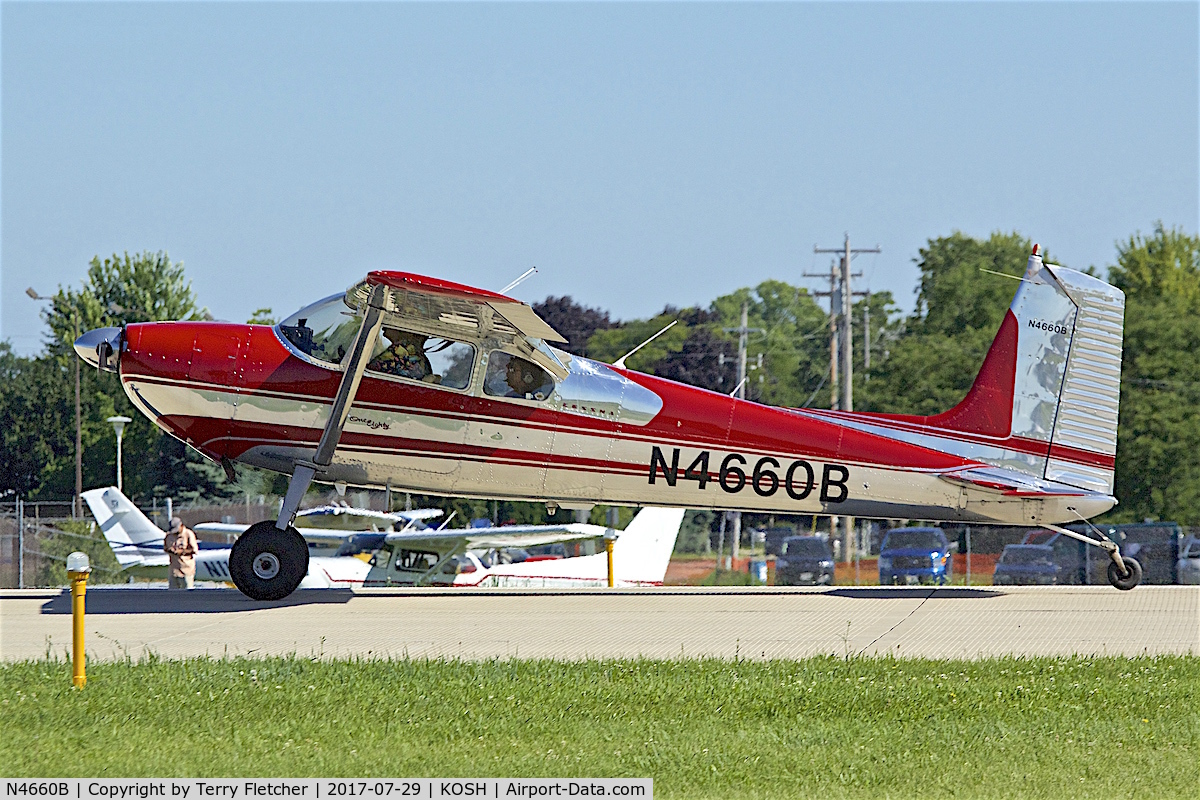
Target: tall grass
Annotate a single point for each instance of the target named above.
(821, 727)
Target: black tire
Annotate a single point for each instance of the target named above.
(1131, 579)
(267, 563)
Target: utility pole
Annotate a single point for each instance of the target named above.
(845, 349)
(867, 338)
(838, 329)
(743, 331)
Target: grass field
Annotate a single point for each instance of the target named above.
(822, 727)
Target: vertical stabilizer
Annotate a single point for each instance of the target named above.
(1045, 401)
(644, 548)
(132, 536)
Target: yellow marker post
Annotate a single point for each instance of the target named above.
(78, 569)
(610, 539)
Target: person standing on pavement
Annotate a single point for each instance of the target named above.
(181, 546)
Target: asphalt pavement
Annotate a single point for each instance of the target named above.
(665, 623)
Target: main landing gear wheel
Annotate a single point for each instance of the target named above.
(267, 563)
(1132, 577)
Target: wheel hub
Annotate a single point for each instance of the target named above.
(266, 566)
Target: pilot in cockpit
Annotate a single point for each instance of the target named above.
(511, 376)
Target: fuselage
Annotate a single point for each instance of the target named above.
(246, 394)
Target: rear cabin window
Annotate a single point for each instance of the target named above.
(913, 540)
(512, 376)
(812, 548)
(1024, 556)
(417, 357)
(415, 561)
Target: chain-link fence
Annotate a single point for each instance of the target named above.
(35, 538)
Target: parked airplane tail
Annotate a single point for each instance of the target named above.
(644, 548)
(1046, 397)
(135, 540)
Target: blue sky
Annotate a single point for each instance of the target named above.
(637, 154)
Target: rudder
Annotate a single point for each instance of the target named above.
(1049, 387)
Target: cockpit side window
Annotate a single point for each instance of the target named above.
(324, 330)
(512, 376)
(429, 359)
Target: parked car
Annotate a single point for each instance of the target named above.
(1187, 567)
(1070, 555)
(774, 538)
(1027, 564)
(804, 561)
(1155, 545)
(914, 555)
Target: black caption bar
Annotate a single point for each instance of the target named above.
(321, 788)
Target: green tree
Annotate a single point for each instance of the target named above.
(36, 402)
(116, 290)
(793, 341)
(119, 289)
(933, 361)
(1158, 438)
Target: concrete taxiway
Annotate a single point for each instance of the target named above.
(656, 623)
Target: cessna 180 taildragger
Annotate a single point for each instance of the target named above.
(435, 387)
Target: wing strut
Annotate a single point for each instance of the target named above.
(360, 354)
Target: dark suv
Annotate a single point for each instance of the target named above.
(1155, 545)
(1070, 555)
(1030, 564)
(773, 539)
(914, 555)
(804, 561)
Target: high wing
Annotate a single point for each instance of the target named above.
(443, 308)
(331, 524)
(509, 536)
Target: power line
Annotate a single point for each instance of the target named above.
(841, 296)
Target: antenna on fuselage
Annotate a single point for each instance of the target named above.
(515, 283)
(620, 362)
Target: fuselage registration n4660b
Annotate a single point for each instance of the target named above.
(434, 387)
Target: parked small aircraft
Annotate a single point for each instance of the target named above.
(340, 530)
(138, 545)
(435, 387)
(418, 556)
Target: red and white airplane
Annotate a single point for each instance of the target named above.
(434, 387)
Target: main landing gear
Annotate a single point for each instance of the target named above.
(270, 559)
(267, 563)
(1123, 572)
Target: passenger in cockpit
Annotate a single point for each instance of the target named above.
(404, 357)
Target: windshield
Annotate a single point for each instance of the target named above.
(1013, 555)
(913, 540)
(812, 548)
(324, 330)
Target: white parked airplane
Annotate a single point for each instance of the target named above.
(496, 557)
(410, 557)
(138, 545)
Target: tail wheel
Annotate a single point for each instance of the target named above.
(267, 563)
(1132, 577)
